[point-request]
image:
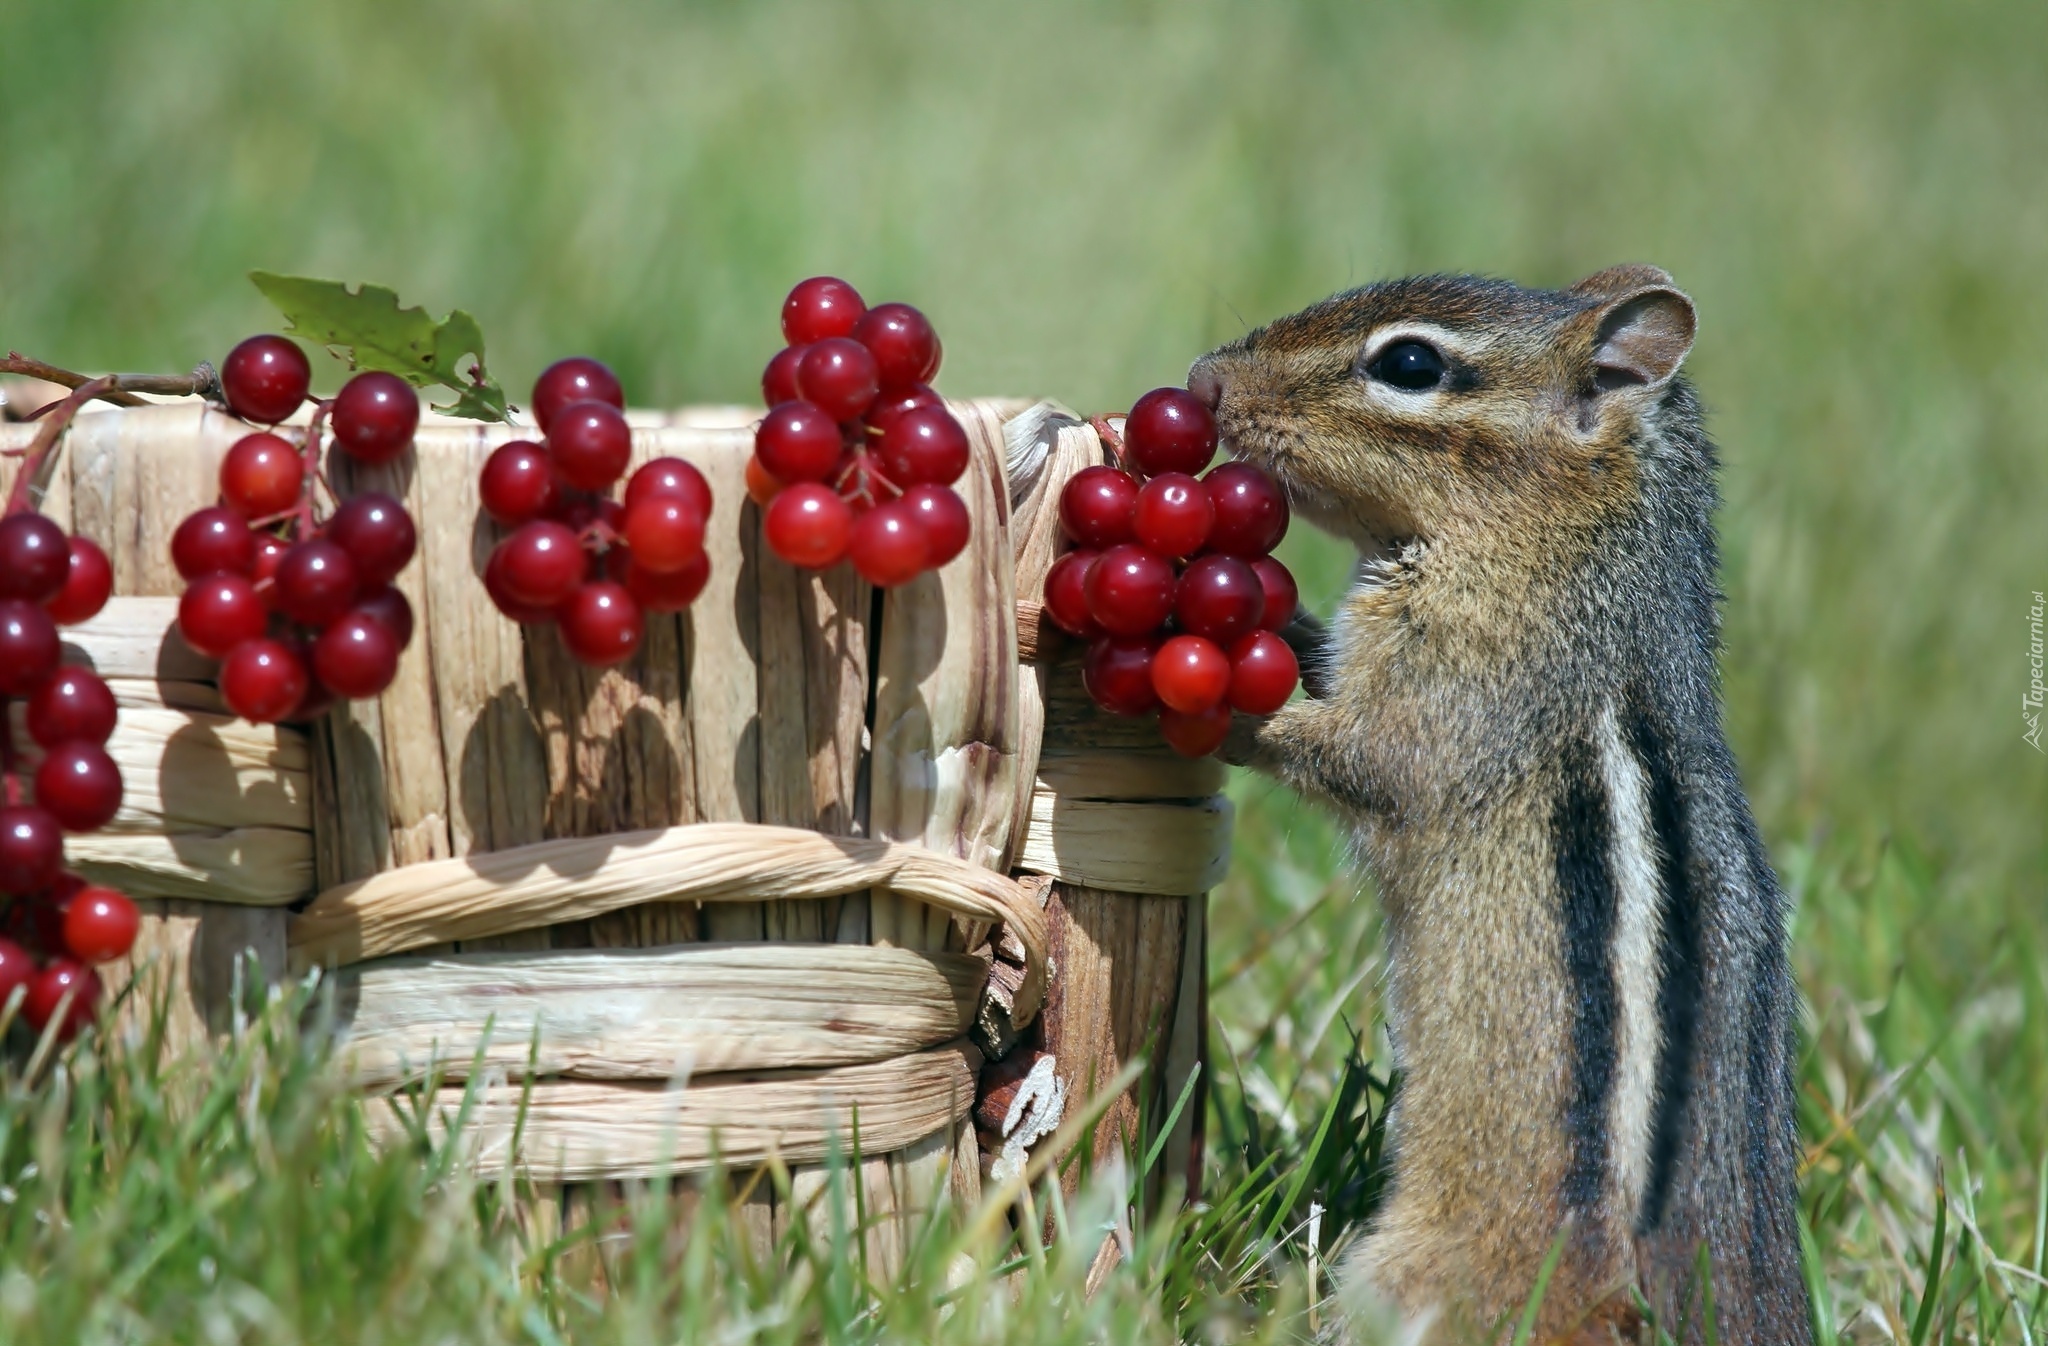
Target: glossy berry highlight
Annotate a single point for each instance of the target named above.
(265, 378)
(1169, 430)
(820, 308)
(576, 379)
(374, 416)
(87, 585)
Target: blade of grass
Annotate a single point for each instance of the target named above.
(1527, 1326)
(1305, 1170)
(1924, 1319)
(1710, 1323)
(1820, 1304)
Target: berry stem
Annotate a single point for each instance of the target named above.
(12, 793)
(302, 515)
(1111, 440)
(52, 429)
(121, 388)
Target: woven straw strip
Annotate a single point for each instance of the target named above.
(579, 1131)
(550, 882)
(623, 1014)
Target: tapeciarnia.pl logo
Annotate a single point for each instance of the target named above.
(2030, 704)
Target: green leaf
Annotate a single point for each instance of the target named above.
(369, 329)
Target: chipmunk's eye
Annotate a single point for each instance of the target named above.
(1413, 366)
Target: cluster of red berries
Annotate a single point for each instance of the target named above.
(299, 612)
(592, 565)
(55, 924)
(857, 456)
(1171, 579)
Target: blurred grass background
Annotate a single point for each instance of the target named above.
(1086, 196)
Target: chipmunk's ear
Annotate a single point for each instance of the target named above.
(1646, 326)
(1643, 338)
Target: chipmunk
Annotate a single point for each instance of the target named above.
(1588, 991)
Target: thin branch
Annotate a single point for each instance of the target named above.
(121, 389)
(47, 435)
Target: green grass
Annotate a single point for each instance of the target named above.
(1085, 197)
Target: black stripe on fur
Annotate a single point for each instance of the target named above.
(1678, 958)
(1582, 842)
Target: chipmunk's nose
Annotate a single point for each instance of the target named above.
(1204, 383)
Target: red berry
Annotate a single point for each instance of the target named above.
(212, 540)
(29, 648)
(808, 525)
(219, 612)
(1130, 590)
(261, 475)
(601, 624)
(1281, 595)
(543, 564)
(576, 379)
(17, 966)
(265, 378)
(927, 445)
(669, 479)
(377, 534)
(892, 404)
(671, 592)
(392, 610)
(577, 510)
(37, 919)
(778, 380)
(1066, 596)
(887, 546)
(1262, 673)
(317, 701)
(263, 680)
(1219, 597)
(74, 703)
(316, 582)
(517, 482)
(31, 849)
(762, 488)
(374, 416)
(47, 997)
(1173, 515)
(838, 375)
(356, 656)
(905, 347)
(821, 307)
(1118, 675)
(591, 444)
(1195, 734)
(1096, 507)
(86, 588)
(942, 515)
(664, 535)
(270, 554)
(1251, 510)
(34, 558)
(1170, 430)
(100, 925)
(1191, 674)
(80, 785)
(797, 441)
(494, 585)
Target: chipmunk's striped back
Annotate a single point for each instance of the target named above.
(1588, 995)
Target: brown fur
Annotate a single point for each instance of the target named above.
(1537, 555)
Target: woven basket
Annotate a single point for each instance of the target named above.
(805, 867)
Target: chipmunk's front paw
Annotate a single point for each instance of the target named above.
(1267, 742)
(1241, 747)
